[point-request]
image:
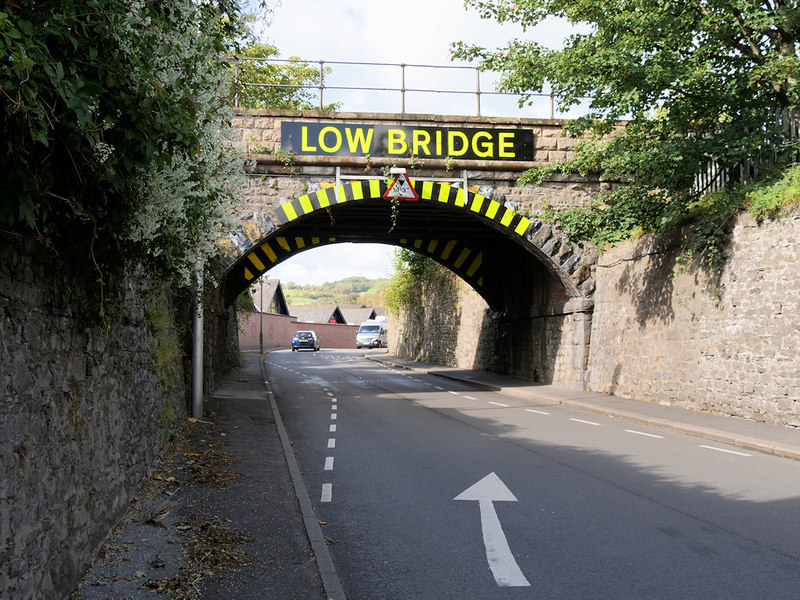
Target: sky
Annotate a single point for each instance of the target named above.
(388, 31)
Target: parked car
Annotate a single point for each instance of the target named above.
(372, 333)
(306, 338)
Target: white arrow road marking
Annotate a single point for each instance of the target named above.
(504, 566)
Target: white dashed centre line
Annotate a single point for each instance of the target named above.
(332, 429)
(454, 393)
(652, 435)
(333, 416)
(329, 463)
(327, 492)
(586, 422)
(470, 398)
(725, 451)
(499, 404)
(331, 442)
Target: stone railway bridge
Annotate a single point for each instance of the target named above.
(318, 178)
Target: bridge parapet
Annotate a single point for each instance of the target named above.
(279, 177)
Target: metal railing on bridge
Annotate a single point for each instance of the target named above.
(715, 177)
(409, 83)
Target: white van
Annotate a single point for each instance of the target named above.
(372, 334)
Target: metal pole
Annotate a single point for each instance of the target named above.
(321, 70)
(197, 350)
(237, 86)
(478, 89)
(402, 89)
(261, 317)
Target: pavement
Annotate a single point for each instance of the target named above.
(286, 551)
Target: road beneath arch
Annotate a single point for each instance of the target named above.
(593, 507)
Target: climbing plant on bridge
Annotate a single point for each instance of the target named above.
(114, 116)
(282, 85)
(412, 272)
(699, 82)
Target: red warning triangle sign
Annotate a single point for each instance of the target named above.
(401, 189)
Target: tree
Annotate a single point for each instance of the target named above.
(271, 84)
(114, 116)
(697, 80)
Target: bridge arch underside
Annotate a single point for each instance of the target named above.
(522, 275)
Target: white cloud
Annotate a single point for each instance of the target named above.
(335, 262)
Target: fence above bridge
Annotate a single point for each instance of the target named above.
(427, 89)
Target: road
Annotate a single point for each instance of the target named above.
(588, 508)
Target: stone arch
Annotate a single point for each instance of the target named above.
(473, 235)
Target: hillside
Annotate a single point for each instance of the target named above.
(352, 290)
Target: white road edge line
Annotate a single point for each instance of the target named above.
(327, 492)
(586, 422)
(327, 569)
(538, 412)
(724, 450)
(470, 398)
(500, 404)
(652, 435)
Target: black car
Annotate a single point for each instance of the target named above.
(306, 338)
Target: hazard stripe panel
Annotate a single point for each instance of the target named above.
(454, 255)
(263, 257)
(463, 260)
(427, 190)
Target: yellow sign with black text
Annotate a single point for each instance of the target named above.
(466, 143)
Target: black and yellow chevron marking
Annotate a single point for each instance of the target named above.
(349, 191)
(262, 257)
(465, 261)
(459, 258)
(431, 191)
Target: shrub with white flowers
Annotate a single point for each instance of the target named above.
(116, 119)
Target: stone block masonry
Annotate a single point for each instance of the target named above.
(84, 414)
(728, 345)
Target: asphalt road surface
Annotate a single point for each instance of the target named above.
(567, 505)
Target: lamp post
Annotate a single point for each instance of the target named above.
(197, 350)
(261, 317)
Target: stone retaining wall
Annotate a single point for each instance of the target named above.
(85, 411)
(728, 345)
(453, 326)
(659, 334)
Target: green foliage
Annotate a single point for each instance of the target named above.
(167, 353)
(169, 420)
(697, 82)
(412, 271)
(351, 290)
(115, 119)
(770, 198)
(282, 85)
